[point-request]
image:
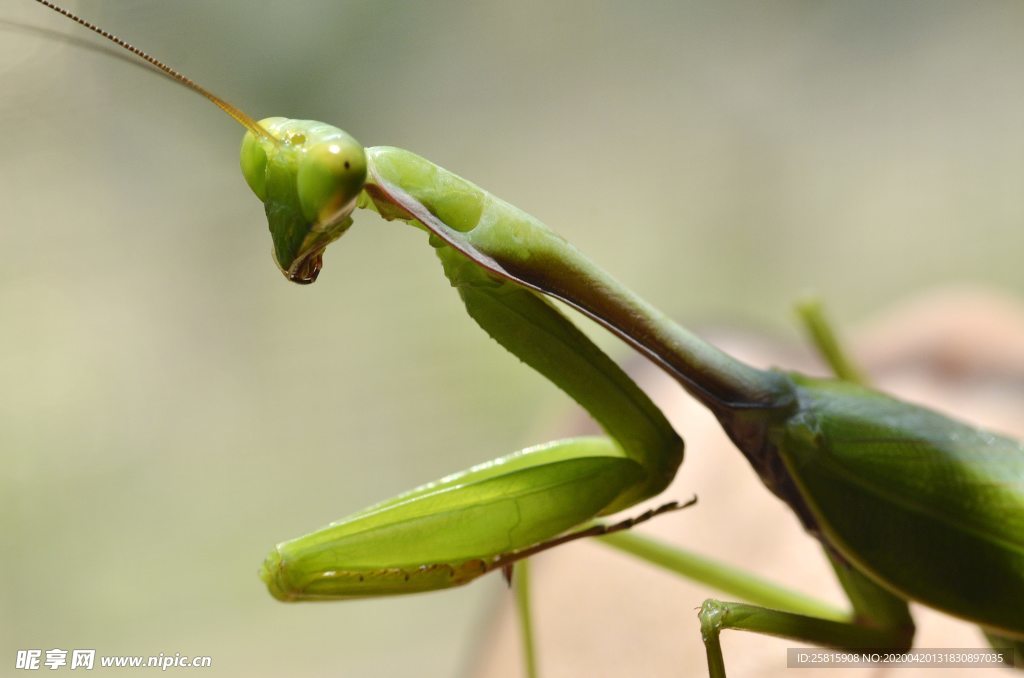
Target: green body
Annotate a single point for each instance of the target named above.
(903, 498)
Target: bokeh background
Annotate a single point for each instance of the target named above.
(170, 407)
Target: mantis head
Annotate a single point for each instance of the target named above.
(308, 176)
(306, 173)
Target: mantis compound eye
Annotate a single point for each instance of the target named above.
(308, 176)
(331, 174)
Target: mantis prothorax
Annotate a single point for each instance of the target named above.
(907, 504)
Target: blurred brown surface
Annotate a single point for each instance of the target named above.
(599, 613)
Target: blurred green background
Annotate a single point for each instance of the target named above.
(170, 407)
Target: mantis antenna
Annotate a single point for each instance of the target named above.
(171, 73)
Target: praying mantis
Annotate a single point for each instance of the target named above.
(764, 412)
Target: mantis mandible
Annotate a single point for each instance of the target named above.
(907, 504)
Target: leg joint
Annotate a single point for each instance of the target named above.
(712, 617)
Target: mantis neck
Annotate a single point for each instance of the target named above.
(747, 401)
(722, 383)
(513, 245)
